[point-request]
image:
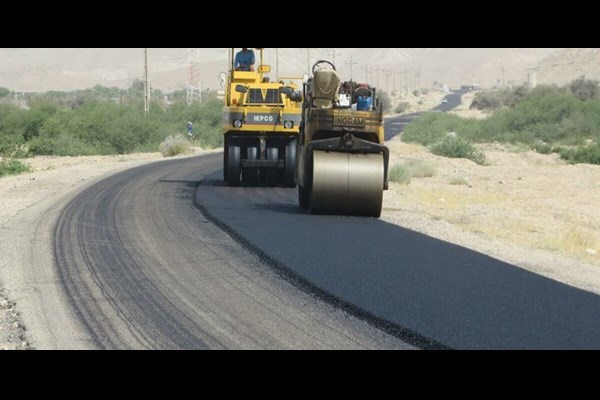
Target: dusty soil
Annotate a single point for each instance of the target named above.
(532, 210)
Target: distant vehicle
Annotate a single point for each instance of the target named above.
(444, 101)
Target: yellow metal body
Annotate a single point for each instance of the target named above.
(325, 123)
(262, 109)
(261, 121)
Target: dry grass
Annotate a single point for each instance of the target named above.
(577, 241)
(421, 169)
(457, 180)
(404, 172)
(175, 145)
(400, 173)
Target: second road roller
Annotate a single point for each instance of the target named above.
(342, 162)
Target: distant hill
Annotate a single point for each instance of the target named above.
(67, 68)
(565, 65)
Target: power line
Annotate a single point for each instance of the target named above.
(351, 62)
(332, 53)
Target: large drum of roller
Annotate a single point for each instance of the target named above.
(347, 183)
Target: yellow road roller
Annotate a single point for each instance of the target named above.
(261, 121)
(342, 162)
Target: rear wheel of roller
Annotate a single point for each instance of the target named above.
(270, 176)
(233, 166)
(290, 165)
(250, 175)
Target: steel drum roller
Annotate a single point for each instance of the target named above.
(347, 183)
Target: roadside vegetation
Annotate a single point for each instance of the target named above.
(101, 121)
(174, 145)
(405, 171)
(12, 167)
(547, 119)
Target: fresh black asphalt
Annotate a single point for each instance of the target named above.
(440, 291)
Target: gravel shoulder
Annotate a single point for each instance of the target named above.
(32, 298)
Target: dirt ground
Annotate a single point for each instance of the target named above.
(532, 210)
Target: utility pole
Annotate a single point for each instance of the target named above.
(194, 86)
(277, 62)
(370, 72)
(351, 62)
(378, 70)
(503, 71)
(332, 53)
(146, 85)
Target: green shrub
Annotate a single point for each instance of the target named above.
(66, 146)
(433, 127)
(582, 155)
(12, 167)
(400, 173)
(497, 99)
(458, 148)
(585, 89)
(428, 129)
(102, 121)
(542, 147)
(12, 146)
(174, 145)
(404, 172)
(542, 119)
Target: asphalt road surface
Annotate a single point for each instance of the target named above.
(435, 293)
(144, 269)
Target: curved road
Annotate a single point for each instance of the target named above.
(144, 269)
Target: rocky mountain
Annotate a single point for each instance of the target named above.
(565, 65)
